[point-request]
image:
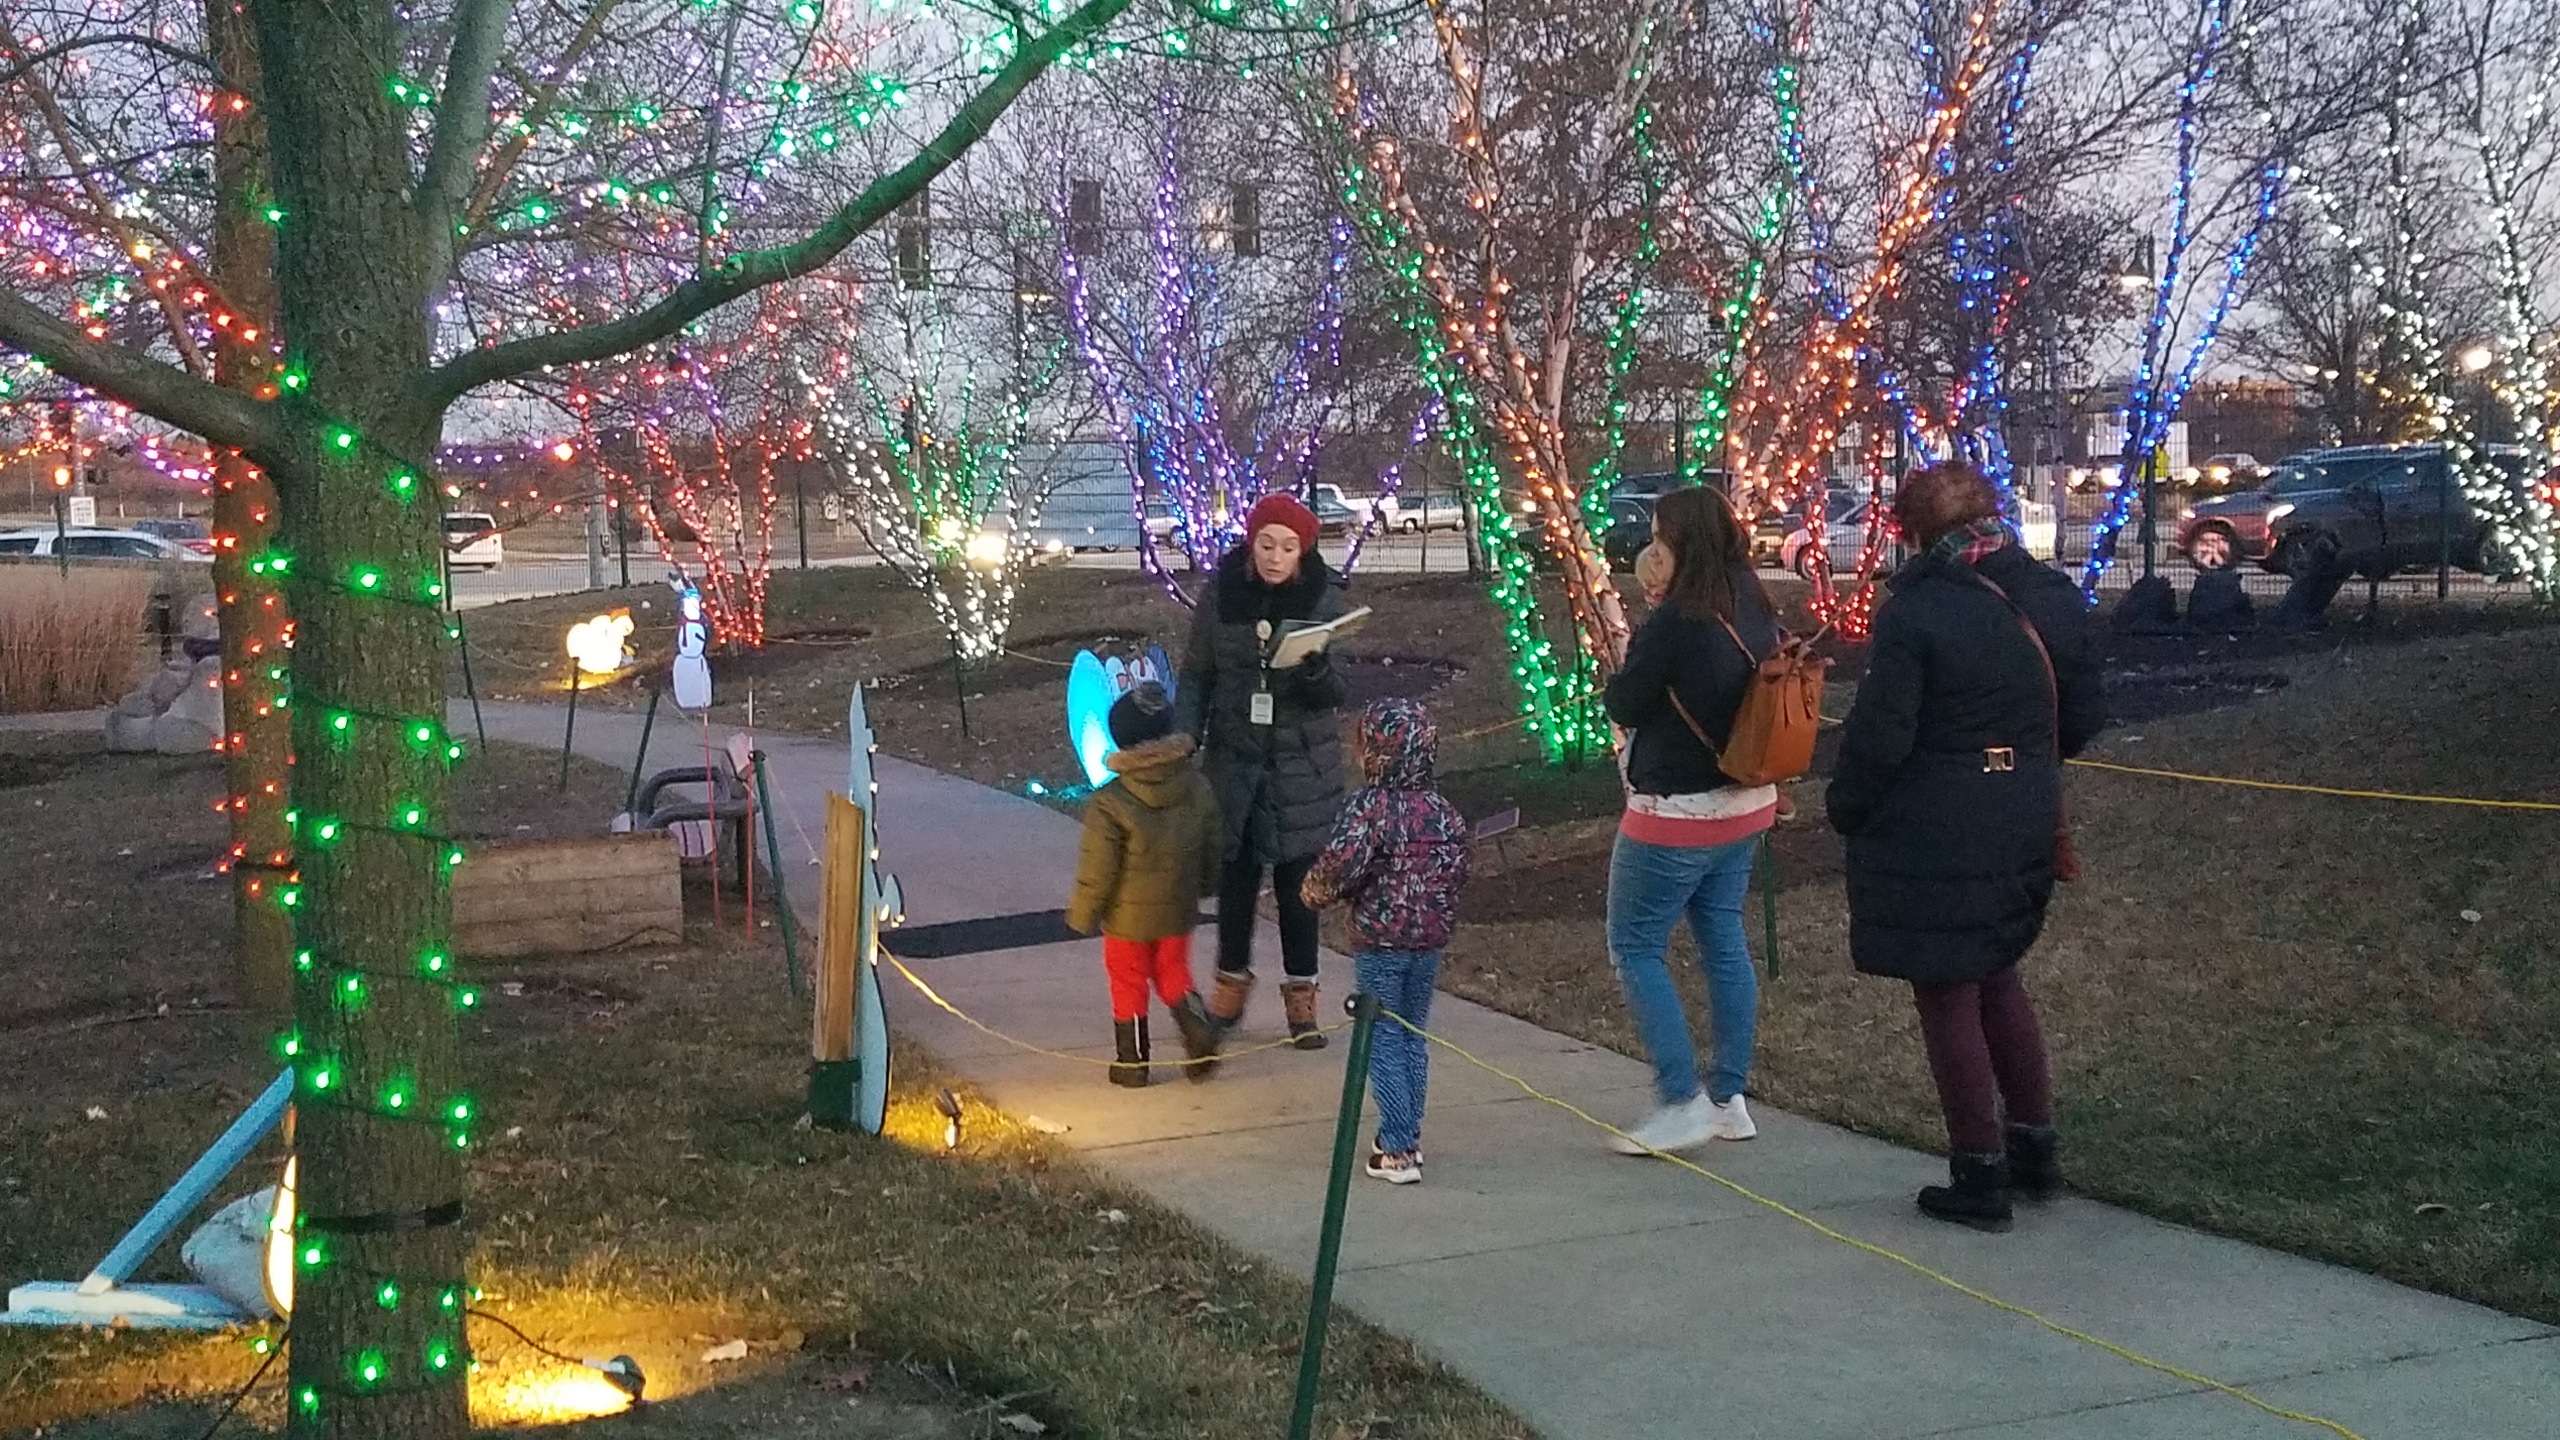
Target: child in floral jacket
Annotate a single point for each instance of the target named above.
(1398, 856)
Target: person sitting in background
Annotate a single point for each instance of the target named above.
(1980, 682)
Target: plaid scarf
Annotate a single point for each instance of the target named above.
(1968, 543)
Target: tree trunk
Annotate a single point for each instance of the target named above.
(378, 1343)
(256, 628)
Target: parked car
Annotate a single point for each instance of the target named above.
(1844, 536)
(1653, 484)
(1381, 506)
(2380, 508)
(1431, 512)
(84, 542)
(1630, 530)
(180, 530)
(2236, 469)
(2098, 475)
(472, 541)
(1334, 516)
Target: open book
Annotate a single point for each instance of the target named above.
(1304, 638)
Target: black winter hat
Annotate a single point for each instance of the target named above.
(1142, 715)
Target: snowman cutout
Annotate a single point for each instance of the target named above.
(693, 667)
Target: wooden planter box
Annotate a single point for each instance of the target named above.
(573, 896)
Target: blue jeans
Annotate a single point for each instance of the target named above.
(1650, 888)
(1399, 1060)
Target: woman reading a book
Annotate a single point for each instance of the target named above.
(1271, 741)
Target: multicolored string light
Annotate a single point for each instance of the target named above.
(1159, 356)
(1522, 396)
(937, 486)
(2161, 381)
(1788, 425)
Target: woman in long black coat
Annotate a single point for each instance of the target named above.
(1271, 741)
(1949, 789)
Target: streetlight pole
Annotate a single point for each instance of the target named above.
(800, 506)
(2150, 512)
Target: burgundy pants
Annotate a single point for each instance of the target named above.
(1985, 1048)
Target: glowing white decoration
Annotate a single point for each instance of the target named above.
(598, 644)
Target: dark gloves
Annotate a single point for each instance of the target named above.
(1311, 684)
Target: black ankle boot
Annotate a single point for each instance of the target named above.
(1979, 1196)
(1199, 1037)
(1130, 1069)
(2035, 1164)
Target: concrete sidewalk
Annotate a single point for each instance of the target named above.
(1607, 1298)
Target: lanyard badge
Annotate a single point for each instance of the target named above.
(1261, 712)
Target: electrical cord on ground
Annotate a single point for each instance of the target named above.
(237, 1396)
(1919, 1268)
(503, 1323)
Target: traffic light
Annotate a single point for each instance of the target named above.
(61, 477)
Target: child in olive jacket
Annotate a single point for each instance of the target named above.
(1153, 847)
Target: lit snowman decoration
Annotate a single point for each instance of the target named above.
(693, 637)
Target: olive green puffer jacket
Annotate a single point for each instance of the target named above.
(1153, 843)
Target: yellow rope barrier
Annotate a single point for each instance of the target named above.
(2319, 789)
(2462, 800)
(983, 1028)
(2130, 1356)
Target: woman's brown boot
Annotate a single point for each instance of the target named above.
(1226, 1000)
(1298, 998)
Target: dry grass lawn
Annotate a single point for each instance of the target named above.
(643, 1189)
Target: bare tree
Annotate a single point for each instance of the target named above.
(389, 191)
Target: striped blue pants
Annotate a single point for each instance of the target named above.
(1399, 1060)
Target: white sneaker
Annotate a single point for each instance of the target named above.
(1395, 1169)
(1673, 1127)
(1733, 1119)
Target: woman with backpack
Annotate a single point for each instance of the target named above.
(1979, 684)
(1687, 840)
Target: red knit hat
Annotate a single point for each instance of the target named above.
(1284, 511)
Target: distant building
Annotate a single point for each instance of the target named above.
(2220, 417)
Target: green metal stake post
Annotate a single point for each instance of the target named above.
(631, 797)
(569, 736)
(1769, 895)
(1337, 1196)
(468, 688)
(773, 860)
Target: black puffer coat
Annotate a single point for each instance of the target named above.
(1674, 652)
(1277, 784)
(1951, 863)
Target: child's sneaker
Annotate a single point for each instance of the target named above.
(1402, 1167)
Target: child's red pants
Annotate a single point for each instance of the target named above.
(1134, 964)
